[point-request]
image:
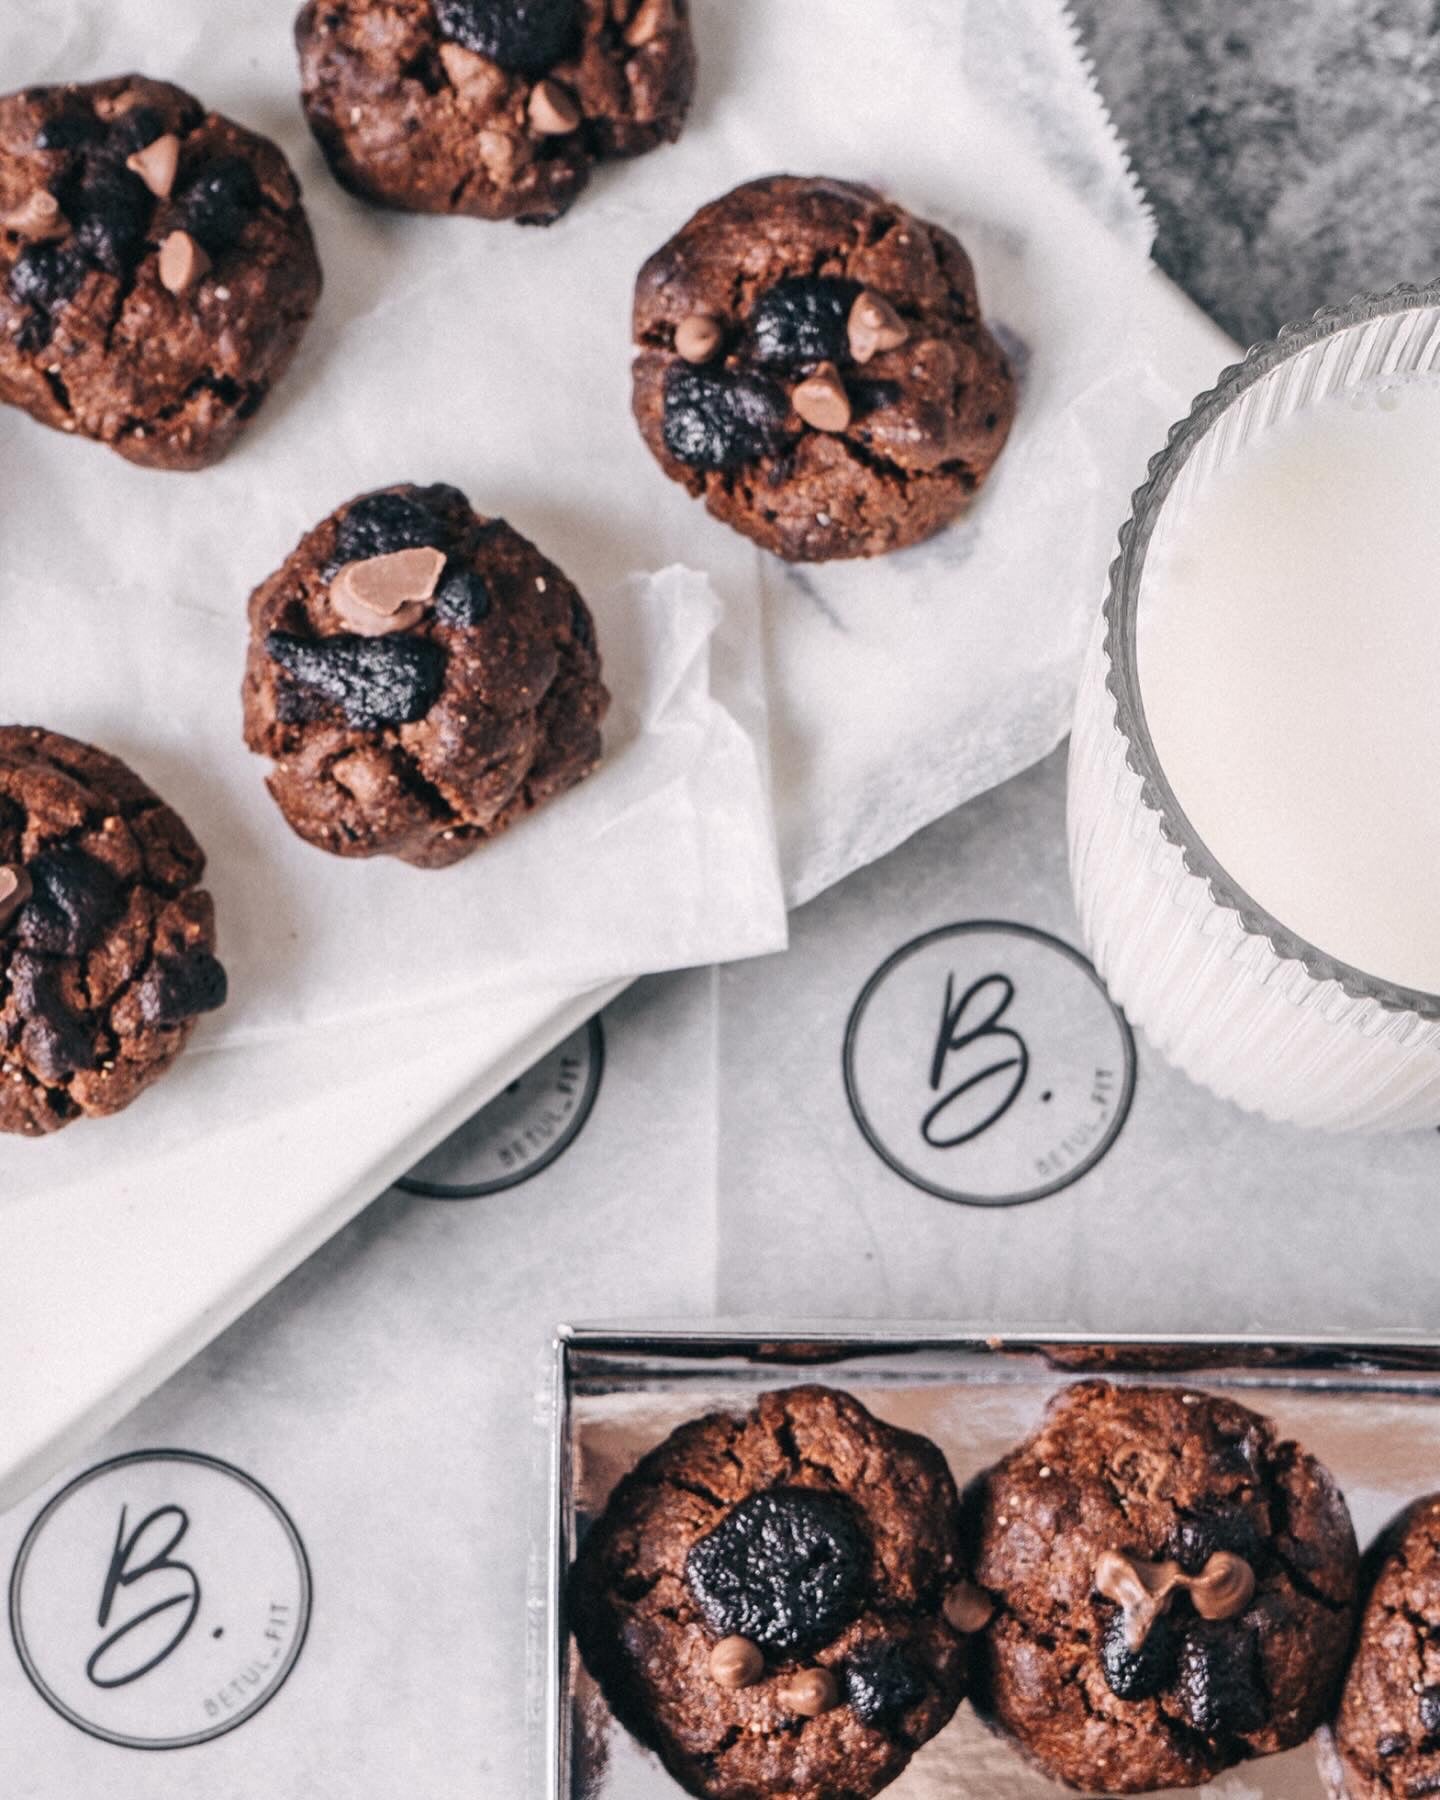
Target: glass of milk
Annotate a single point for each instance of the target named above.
(1254, 812)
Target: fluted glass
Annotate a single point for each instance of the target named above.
(1217, 984)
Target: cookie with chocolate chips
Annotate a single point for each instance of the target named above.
(107, 942)
(1175, 1589)
(812, 363)
(156, 268)
(494, 108)
(1384, 1742)
(775, 1602)
(420, 677)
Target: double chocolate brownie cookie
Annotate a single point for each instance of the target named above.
(812, 362)
(1175, 1589)
(106, 942)
(1385, 1740)
(495, 108)
(775, 1602)
(156, 268)
(420, 677)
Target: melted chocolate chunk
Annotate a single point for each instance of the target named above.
(75, 897)
(804, 320)
(70, 131)
(133, 130)
(719, 419)
(176, 988)
(526, 36)
(786, 1569)
(374, 681)
(1219, 1683)
(1392, 1744)
(1137, 1674)
(44, 275)
(462, 599)
(54, 1041)
(218, 202)
(110, 209)
(582, 626)
(1429, 1710)
(1196, 1539)
(881, 1684)
(380, 524)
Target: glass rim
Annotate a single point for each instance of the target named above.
(1122, 673)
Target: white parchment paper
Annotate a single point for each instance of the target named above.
(497, 358)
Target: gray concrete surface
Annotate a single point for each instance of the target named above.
(1291, 148)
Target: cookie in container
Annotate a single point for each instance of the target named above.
(1175, 1589)
(775, 1600)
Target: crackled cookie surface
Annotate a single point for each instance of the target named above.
(420, 677)
(106, 941)
(775, 1602)
(1385, 1740)
(156, 268)
(813, 364)
(494, 108)
(1174, 1587)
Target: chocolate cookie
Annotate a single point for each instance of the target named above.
(421, 677)
(1175, 1589)
(495, 108)
(156, 268)
(106, 943)
(1385, 1740)
(813, 363)
(775, 1602)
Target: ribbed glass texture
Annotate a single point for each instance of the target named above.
(1219, 986)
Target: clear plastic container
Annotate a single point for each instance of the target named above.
(1218, 985)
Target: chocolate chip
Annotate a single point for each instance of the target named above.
(803, 320)
(462, 599)
(1429, 1709)
(374, 681)
(1219, 1684)
(1137, 1674)
(1196, 1539)
(786, 1569)
(719, 419)
(1421, 1785)
(217, 203)
(381, 524)
(1392, 1744)
(75, 896)
(52, 1039)
(526, 36)
(176, 988)
(881, 1683)
(582, 626)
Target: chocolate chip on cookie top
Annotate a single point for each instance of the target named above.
(1384, 1740)
(156, 267)
(420, 677)
(812, 362)
(1174, 1588)
(106, 940)
(494, 108)
(764, 1600)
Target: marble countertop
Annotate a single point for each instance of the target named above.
(1291, 150)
